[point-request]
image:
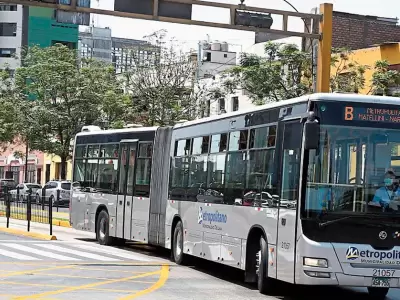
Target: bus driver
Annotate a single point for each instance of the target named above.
(388, 196)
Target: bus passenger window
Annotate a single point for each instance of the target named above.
(235, 177)
(182, 147)
(93, 151)
(219, 143)
(200, 145)
(91, 173)
(79, 171)
(108, 174)
(143, 170)
(179, 177)
(238, 140)
(291, 162)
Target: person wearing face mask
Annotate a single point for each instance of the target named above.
(388, 193)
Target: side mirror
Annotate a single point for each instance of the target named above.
(311, 135)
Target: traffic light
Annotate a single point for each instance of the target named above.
(252, 19)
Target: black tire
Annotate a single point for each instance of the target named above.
(177, 245)
(102, 229)
(263, 281)
(119, 242)
(378, 293)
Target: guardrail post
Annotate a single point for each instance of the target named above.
(51, 216)
(58, 198)
(7, 200)
(29, 209)
(17, 194)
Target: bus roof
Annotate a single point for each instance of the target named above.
(298, 100)
(112, 131)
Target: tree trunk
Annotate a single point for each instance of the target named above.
(63, 168)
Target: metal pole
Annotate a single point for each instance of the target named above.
(51, 216)
(26, 161)
(29, 209)
(6, 198)
(58, 198)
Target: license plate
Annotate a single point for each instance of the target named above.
(381, 282)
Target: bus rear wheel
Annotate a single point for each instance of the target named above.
(263, 281)
(103, 228)
(378, 293)
(177, 249)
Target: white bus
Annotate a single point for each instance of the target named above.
(294, 191)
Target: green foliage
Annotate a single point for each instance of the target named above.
(383, 79)
(56, 94)
(349, 76)
(163, 92)
(283, 73)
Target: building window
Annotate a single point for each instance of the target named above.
(7, 52)
(31, 173)
(8, 7)
(221, 106)
(8, 29)
(208, 108)
(15, 171)
(2, 172)
(225, 55)
(235, 103)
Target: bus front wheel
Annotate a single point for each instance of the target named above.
(378, 293)
(263, 281)
(102, 232)
(177, 250)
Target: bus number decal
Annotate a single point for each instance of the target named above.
(285, 245)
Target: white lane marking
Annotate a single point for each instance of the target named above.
(112, 251)
(17, 255)
(38, 251)
(77, 253)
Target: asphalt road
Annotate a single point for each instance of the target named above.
(82, 269)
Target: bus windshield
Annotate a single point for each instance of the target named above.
(356, 170)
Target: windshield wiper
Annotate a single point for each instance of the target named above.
(327, 223)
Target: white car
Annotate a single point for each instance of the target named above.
(24, 189)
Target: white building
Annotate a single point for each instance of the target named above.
(214, 58)
(10, 35)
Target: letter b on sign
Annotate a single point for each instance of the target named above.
(348, 115)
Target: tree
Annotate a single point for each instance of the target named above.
(286, 72)
(383, 79)
(8, 110)
(57, 95)
(348, 76)
(163, 89)
(283, 73)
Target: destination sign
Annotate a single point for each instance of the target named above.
(368, 114)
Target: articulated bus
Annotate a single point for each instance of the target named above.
(303, 191)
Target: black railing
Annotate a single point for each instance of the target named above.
(27, 207)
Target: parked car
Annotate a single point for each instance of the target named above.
(51, 187)
(9, 183)
(24, 191)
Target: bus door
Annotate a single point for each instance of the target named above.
(126, 187)
(289, 199)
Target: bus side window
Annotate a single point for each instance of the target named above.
(291, 161)
(143, 170)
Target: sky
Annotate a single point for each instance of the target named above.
(189, 35)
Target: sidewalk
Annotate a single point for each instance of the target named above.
(62, 233)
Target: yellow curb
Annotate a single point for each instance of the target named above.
(61, 223)
(35, 235)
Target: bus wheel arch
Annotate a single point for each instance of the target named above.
(103, 219)
(256, 232)
(177, 253)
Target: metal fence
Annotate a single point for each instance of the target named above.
(25, 206)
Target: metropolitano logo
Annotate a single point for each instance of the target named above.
(352, 253)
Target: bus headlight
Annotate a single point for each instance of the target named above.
(315, 262)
